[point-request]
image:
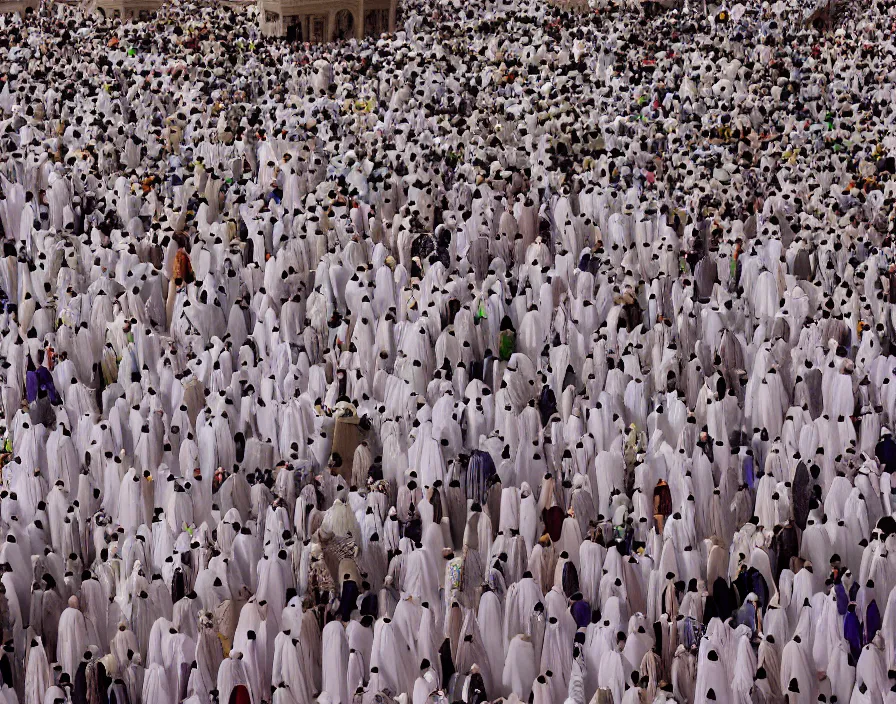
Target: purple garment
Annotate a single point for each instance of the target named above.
(749, 477)
(872, 621)
(842, 598)
(581, 613)
(693, 632)
(852, 631)
(746, 616)
(40, 380)
(480, 469)
(45, 383)
(760, 588)
(31, 385)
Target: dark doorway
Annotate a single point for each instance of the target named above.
(294, 31)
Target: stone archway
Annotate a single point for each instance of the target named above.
(376, 22)
(343, 25)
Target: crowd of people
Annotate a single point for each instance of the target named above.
(529, 353)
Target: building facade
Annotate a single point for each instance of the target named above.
(127, 9)
(21, 6)
(296, 20)
(326, 20)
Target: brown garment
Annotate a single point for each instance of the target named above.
(183, 269)
(662, 499)
(346, 438)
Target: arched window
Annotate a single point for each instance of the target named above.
(344, 25)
